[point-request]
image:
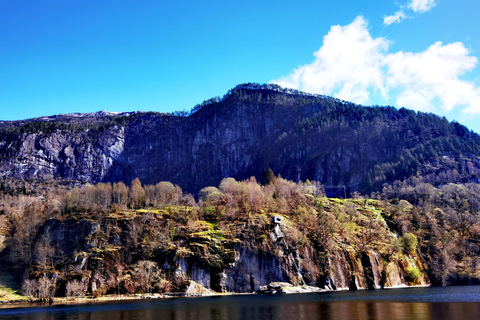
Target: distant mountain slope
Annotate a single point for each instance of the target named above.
(346, 147)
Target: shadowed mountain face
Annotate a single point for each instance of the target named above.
(346, 147)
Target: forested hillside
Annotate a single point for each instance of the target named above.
(102, 239)
(263, 184)
(344, 146)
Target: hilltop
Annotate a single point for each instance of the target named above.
(346, 147)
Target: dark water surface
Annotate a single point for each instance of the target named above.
(410, 303)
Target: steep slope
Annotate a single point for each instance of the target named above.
(344, 245)
(346, 147)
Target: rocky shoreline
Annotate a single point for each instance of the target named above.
(193, 290)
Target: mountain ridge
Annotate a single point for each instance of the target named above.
(301, 136)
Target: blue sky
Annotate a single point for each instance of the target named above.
(83, 56)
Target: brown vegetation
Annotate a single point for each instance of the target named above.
(133, 236)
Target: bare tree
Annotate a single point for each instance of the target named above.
(136, 194)
(46, 288)
(145, 274)
(25, 220)
(120, 194)
(29, 288)
(103, 195)
(256, 197)
(44, 253)
(165, 193)
(42, 289)
(76, 288)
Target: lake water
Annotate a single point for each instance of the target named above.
(409, 303)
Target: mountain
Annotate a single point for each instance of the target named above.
(59, 237)
(346, 147)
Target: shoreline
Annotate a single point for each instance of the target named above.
(138, 296)
(107, 298)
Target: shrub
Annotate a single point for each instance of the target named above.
(412, 274)
(409, 242)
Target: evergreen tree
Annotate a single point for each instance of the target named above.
(267, 177)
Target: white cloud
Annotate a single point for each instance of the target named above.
(432, 74)
(417, 6)
(347, 55)
(421, 6)
(351, 65)
(396, 18)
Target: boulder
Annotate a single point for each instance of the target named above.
(285, 287)
(195, 289)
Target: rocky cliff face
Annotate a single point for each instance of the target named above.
(107, 254)
(62, 155)
(344, 146)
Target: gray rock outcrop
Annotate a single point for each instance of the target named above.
(249, 130)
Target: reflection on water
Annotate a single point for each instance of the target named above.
(414, 304)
